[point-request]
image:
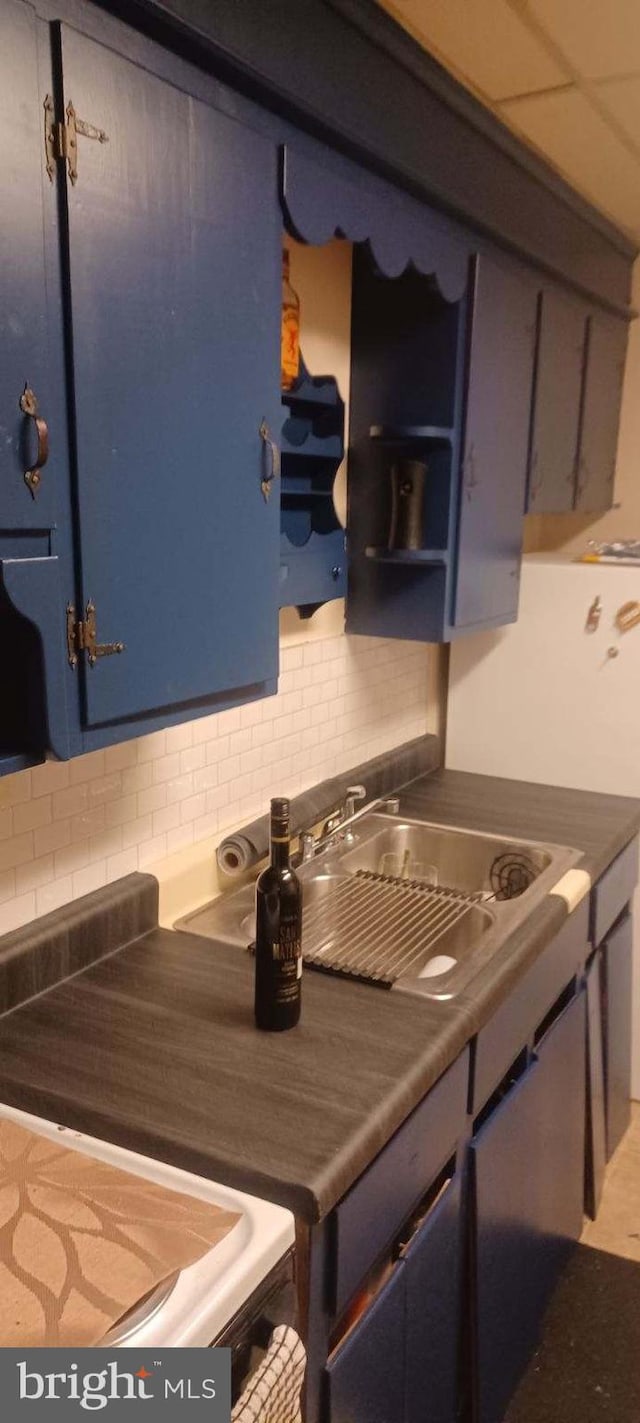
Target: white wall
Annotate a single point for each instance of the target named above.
(66, 829)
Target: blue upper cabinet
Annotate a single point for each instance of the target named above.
(174, 262)
(496, 438)
(560, 357)
(604, 372)
(27, 480)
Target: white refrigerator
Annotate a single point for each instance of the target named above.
(555, 698)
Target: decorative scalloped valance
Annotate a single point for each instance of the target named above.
(343, 201)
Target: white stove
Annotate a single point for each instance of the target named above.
(199, 1305)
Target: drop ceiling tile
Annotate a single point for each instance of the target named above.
(600, 37)
(579, 142)
(621, 97)
(483, 41)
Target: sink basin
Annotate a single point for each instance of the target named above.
(459, 859)
(405, 903)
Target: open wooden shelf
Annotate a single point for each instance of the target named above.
(412, 557)
(434, 435)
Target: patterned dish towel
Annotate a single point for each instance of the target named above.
(273, 1394)
(82, 1242)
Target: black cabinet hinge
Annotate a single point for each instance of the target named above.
(81, 637)
(61, 139)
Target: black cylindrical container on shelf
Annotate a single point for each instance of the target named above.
(278, 932)
(406, 530)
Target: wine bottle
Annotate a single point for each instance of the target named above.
(278, 932)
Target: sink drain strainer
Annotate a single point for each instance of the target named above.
(511, 873)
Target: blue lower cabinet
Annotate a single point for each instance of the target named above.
(617, 959)
(365, 1375)
(595, 1145)
(433, 1294)
(527, 1174)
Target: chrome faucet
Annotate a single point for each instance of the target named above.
(338, 825)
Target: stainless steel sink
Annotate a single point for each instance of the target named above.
(406, 903)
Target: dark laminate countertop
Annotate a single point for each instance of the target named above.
(598, 825)
(154, 1046)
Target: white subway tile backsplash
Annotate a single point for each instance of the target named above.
(51, 896)
(16, 851)
(152, 799)
(91, 822)
(120, 758)
(137, 778)
(151, 850)
(70, 802)
(35, 874)
(71, 858)
(86, 768)
(66, 829)
(18, 911)
(93, 877)
(135, 832)
(16, 789)
(53, 776)
(121, 810)
(124, 863)
(52, 837)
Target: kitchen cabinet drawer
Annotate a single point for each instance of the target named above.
(432, 1311)
(617, 958)
(365, 1375)
(372, 1212)
(515, 1022)
(527, 1175)
(613, 891)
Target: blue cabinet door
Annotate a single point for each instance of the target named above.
(433, 1295)
(562, 327)
(365, 1376)
(24, 353)
(174, 278)
(496, 439)
(595, 1153)
(617, 957)
(604, 373)
(528, 1171)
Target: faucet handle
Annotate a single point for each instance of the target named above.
(353, 794)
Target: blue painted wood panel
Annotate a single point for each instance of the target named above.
(606, 353)
(175, 271)
(375, 1208)
(343, 200)
(433, 1296)
(24, 348)
(618, 998)
(595, 1153)
(560, 356)
(494, 470)
(528, 1164)
(365, 1376)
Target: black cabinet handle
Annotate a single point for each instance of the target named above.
(29, 406)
